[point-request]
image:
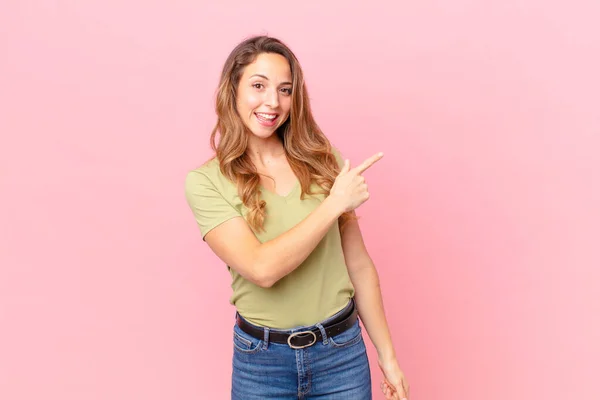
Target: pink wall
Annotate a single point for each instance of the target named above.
(483, 220)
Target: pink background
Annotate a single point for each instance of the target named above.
(483, 220)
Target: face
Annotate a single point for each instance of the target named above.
(264, 94)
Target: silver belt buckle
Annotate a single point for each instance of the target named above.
(298, 334)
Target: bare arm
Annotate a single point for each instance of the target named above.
(266, 263)
(369, 302)
(368, 298)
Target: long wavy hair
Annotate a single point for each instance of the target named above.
(308, 151)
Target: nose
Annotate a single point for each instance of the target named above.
(272, 98)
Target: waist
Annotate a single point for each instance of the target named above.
(304, 336)
(285, 311)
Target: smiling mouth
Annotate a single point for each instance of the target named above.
(266, 119)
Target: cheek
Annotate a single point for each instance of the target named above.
(250, 102)
(286, 105)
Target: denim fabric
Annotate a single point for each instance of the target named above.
(334, 368)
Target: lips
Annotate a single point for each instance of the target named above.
(266, 119)
(266, 116)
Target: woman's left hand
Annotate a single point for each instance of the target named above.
(394, 386)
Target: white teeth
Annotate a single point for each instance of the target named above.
(266, 116)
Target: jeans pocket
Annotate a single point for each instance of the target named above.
(349, 337)
(245, 343)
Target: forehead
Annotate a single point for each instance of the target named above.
(273, 66)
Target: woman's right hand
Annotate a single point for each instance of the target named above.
(349, 189)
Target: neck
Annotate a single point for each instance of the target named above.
(264, 151)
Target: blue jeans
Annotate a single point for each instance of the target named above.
(334, 368)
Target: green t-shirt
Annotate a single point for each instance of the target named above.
(317, 289)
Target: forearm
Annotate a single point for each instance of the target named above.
(278, 257)
(371, 311)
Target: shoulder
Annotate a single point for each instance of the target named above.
(208, 177)
(211, 197)
(210, 169)
(338, 156)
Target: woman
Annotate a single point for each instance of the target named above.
(276, 205)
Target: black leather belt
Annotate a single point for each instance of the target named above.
(299, 340)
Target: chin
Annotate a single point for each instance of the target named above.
(262, 134)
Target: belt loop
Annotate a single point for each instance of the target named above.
(323, 333)
(266, 338)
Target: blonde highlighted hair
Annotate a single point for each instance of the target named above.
(308, 151)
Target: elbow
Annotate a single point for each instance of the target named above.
(264, 281)
(262, 276)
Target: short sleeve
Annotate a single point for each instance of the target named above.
(338, 156)
(208, 205)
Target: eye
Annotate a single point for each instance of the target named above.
(257, 85)
(287, 91)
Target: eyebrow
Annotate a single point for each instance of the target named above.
(264, 77)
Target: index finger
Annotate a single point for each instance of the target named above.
(367, 163)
